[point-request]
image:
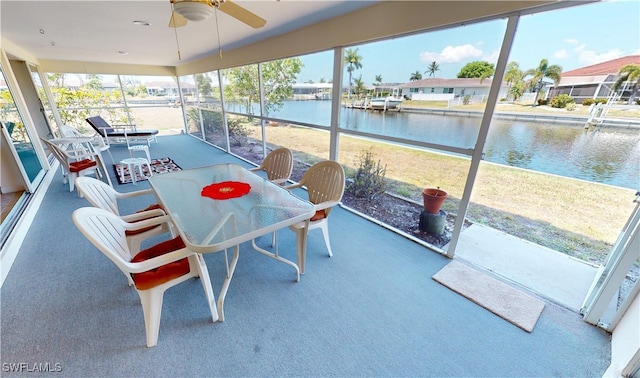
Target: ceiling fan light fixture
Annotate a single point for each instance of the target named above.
(193, 11)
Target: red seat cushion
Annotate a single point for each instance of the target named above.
(78, 166)
(320, 214)
(136, 232)
(158, 276)
(153, 206)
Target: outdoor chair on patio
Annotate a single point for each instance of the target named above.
(76, 159)
(153, 270)
(120, 133)
(325, 183)
(277, 165)
(98, 141)
(105, 197)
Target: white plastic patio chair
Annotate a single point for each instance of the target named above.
(325, 182)
(278, 165)
(143, 148)
(76, 159)
(105, 197)
(153, 270)
(98, 141)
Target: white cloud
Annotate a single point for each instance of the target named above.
(590, 57)
(561, 54)
(492, 57)
(451, 54)
(572, 41)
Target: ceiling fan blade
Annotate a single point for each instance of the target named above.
(242, 14)
(176, 20)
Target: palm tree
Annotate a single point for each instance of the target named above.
(629, 73)
(377, 83)
(353, 62)
(544, 70)
(433, 67)
(415, 76)
(517, 90)
(513, 76)
(359, 86)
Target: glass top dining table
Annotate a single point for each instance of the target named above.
(209, 224)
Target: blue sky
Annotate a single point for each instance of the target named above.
(572, 38)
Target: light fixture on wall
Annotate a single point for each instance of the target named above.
(193, 10)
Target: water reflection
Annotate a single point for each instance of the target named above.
(610, 156)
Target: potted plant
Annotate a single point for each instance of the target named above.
(433, 199)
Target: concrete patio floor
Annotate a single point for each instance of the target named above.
(550, 274)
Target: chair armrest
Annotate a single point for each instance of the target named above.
(77, 154)
(125, 127)
(135, 217)
(136, 193)
(155, 221)
(255, 169)
(157, 261)
(293, 186)
(325, 205)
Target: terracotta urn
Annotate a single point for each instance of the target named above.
(433, 199)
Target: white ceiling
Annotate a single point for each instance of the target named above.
(95, 31)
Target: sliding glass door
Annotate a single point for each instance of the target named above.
(19, 140)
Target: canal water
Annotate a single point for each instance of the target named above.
(610, 155)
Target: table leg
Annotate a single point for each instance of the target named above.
(132, 171)
(277, 257)
(225, 285)
(301, 245)
(122, 171)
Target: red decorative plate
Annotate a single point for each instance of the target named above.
(226, 190)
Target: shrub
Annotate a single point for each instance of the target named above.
(212, 121)
(561, 101)
(237, 132)
(466, 100)
(542, 101)
(368, 180)
(588, 102)
(571, 106)
(601, 100)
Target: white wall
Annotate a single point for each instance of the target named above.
(432, 96)
(11, 178)
(625, 342)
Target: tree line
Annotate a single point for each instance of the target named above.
(518, 81)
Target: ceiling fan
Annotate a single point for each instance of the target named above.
(199, 10)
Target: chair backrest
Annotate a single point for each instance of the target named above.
(100, 125)
(325, 182)
(106, 231)
(278, 165)
(69, 132)
(98, 193)
(58, 152)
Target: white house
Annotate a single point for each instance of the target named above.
(440, 89)
(594, 81)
